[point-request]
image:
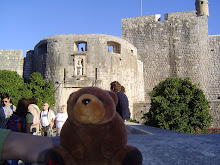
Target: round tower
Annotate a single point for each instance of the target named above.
(202, 7)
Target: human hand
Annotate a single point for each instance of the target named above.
(26, 147)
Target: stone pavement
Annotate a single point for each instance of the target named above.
(165, 147)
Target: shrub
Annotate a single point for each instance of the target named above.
(178, 105)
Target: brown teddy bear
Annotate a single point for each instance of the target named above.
(94, 133)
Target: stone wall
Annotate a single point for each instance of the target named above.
(28, 64)
(215, 112)
(143, 32)
(12, 60)
(214, 81)
(140, 110)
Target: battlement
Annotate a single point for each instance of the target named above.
(180, 15)
(157, 17)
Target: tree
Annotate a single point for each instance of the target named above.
(42, 90)
(13, 84)
(178, 105)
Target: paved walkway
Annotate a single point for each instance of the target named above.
(164, 147)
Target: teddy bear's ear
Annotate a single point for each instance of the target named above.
(114, 97)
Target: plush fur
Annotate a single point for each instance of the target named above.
(94, 133)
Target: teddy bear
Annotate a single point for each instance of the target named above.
(94, 133)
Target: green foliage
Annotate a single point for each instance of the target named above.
(178, 105)
(13, 84)
(42, 90)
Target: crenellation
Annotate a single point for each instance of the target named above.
(180, 15)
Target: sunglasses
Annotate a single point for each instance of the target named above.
(4, 101)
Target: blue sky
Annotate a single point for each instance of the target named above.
(23, 23)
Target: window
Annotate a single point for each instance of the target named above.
(80, 46)
(114, 47)
(110, 48)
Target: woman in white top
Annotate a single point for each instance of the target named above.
(60, 119)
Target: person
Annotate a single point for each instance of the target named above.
(123, 105)
(60, 119)
(18, 116)
(6, 110)
(123, 89)
(19, 148)
(47, 118)
(2, 117)
(33, 118)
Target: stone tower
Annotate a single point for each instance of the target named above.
(73, 61)
(202, 7)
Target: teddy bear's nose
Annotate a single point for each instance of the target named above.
(86, 101)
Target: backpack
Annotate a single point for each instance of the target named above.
(34, 110)
(16, 123)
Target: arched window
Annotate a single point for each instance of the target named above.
(114, 47)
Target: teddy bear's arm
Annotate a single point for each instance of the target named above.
(116, 137)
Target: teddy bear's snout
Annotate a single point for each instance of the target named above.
(86, 101)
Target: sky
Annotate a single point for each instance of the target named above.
(23, 23)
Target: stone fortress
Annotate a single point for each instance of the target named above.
(149, 51)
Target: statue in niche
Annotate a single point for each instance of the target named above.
(79, 67)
